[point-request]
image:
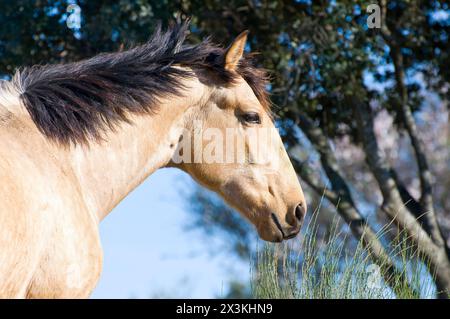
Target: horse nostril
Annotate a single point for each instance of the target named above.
(300, 212)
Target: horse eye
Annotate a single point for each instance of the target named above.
(252, 118)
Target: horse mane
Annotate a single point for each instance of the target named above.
(76, 102)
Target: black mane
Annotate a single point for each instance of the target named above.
(75, 102)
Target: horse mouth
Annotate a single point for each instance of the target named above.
(277, 223)
(284, 236)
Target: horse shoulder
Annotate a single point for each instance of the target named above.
(56, 248)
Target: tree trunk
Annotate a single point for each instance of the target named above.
(341, 198)
(393, 206)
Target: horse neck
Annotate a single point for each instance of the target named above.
(107, 171)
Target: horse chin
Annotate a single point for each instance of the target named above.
(271, 234)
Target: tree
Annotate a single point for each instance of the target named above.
(35, 31)
(372, 104)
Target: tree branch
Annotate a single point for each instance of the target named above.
(339, 195)
(393, 205)
(426, 199)
(410, 202)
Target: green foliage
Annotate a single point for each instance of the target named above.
(35, 31)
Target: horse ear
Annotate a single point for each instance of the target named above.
(235, 51)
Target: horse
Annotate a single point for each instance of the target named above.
(76, 138)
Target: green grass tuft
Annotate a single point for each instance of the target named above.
(335, 269)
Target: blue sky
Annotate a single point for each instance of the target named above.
(148, 252)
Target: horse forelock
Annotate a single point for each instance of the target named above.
(76, 102)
